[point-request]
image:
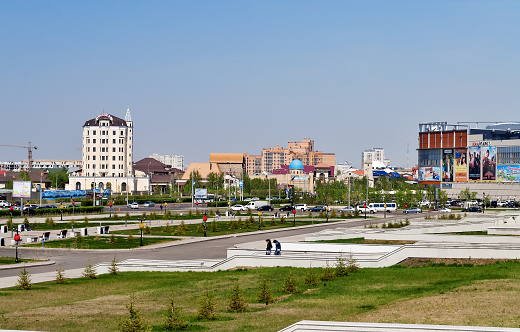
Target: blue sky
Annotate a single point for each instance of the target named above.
(237, 76)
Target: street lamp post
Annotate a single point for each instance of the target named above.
(141, 226)
(483, 202)
(259, 219)
(16, 239)
(294, 216)
(149, 178)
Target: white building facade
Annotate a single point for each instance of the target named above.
(374, 154)
(174, 161)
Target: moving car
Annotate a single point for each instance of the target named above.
(369, 209)
(318, 209)
(347, 209)
(149, 204)
(49, 207)
(301, 207)
(472, 209)
(445, 210)
(28, 208)
(412, 210)
(287, 208)
(238, 207)
(133, 205)
(265, 208)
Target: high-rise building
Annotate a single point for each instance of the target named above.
(374, 154)
(108, 146)
(174, 161)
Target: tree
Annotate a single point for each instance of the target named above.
(237, 302)
(466, 195)
(60, 276)
(265, 292)
(114, 266)
(59, 177)
(24, 281)
(174, 320)
(134, 322)
(443, 197)
(24, 176)
(89, 272)
(206, 308)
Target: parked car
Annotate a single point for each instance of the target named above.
(369, 209)
(238, 207)
(413, 210)
(287, 208)
(445, 209)
(73, 205)
(347, 209)
(265, 208)
(318, 209)
(49, 207)
(5, 204)
(472, 209)
(133, 205)
(301, 207)
(149, 204)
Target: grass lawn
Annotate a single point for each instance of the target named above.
(362, 240)
(99, 242)
(10, 260)
(418, 295)
(214, 228)
(68, 225)
(470, 233)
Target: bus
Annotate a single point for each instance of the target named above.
(380, 207)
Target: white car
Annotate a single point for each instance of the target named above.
(361, 209)
(5, 204)
(445, 210)
(347, 209)
(133, 205)
(301, 207)
(238, 207)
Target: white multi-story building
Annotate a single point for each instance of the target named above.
(108, 146)
(173, 160)
(374, 154)
(39, 164)
(108, 156)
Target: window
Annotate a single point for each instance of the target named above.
(430, 157)
(114, 158)
(94, 149)
(121, 133)
(94, 140)
(113, 166)
(113, 141)
(114, 132)
(94, 133)
(113, 149)
(93, 157)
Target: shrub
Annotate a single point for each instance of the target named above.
(153, 215)
(328, 273)
(24, 281)
(134, 322)
(290, 285)
(85, 220)
(200, 228)
(89, 272)
(78, 239)
(181, 228)
(237, 301)
(60, 276)
(167, 214)
(127, 216)
(322, 214)
(114, 266)
(50, 222)
(206, 309)
(310, 278)
(214, 226)
(113, 239)
(333, 213)
(352, 265)
(130, 238)
(341, 269)
(174, 321)
(265, 292)
(147, 230)
(343, 215)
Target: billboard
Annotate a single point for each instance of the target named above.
(461, 165)
(22, 189)
(429, 173)
(447, 166)
(489, 163)
(508, 173)
(201, 193)
(474, 163)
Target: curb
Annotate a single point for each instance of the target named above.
(16, 266)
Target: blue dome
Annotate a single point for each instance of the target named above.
(296, 164)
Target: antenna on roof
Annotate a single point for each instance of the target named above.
(128, 117)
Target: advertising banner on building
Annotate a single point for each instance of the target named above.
(22, 189)
(489, 163)
(474, 163)
(447, 165)
(508, 173)
(461, 165)
(429, 173)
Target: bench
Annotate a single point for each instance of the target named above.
(106, 229)
(31, 239)
(2, 242)
(45, 236)
(3, 229)
(62, 234)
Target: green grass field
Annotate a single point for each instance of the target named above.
(101, 242)
(10, 260)
(429, 295)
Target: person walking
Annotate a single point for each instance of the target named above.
(268, 247)
(277, 248)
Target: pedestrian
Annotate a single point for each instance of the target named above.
(278, 248)
(161, 207)
(268, 247)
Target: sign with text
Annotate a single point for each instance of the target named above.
(22, 189)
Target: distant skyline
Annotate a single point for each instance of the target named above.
(238, 76)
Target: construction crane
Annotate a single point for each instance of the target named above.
(29, 148)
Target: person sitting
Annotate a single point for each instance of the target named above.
(278, 248)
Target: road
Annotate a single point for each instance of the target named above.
(205, 248)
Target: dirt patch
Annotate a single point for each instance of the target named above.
(420, 262)
(485, 303)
